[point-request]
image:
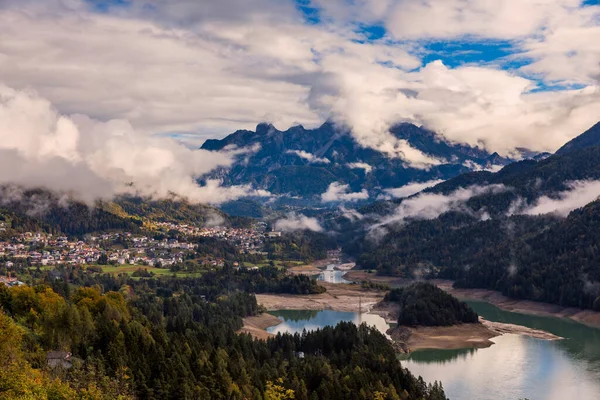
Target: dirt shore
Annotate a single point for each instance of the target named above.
(587, 317)
(451, 337)
(338, 297)
(443, 337)
(257, 325)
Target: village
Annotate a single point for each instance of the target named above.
(170, 245)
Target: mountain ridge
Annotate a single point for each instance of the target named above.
(330, 154)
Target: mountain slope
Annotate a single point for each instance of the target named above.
(304, 162)
(43, 210)
(589, 138)
(482, 242)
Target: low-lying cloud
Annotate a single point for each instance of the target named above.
(90, 160)
(338, 192)
(311, 158)
(579, 194)
(361, 165)
(432, 205)
(296, 222)
(412, 188)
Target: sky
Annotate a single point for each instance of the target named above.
(501, 74)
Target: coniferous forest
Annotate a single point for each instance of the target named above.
(176, 338)
(424, 304)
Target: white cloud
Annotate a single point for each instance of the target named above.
(351, 214)
(208, 69)
(412, 188)
(432, 205)
(361, 165)
(579, 194)
(88, 159)
(311, 158)
(340, 192)
(297, 222)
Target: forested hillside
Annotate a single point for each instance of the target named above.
(538, 257)
(175, 339)
(41, 209)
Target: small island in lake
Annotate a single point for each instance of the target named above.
(430, 318)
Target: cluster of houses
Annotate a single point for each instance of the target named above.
(45, 249)
(248, 241)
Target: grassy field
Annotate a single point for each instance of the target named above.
(278, 263)
(130, 269)
(42, 267)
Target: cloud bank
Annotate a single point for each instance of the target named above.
(212, 67)
(89, 160)
(432, 205)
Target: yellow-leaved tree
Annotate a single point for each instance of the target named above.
(276, 391)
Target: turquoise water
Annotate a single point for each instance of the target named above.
(298, 320)
(514, 367)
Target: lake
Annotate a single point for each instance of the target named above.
(295, 321)
(514, 367)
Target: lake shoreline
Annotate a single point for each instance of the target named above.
(257, 325)
(352, 298)
(582, 316)
(461, 336)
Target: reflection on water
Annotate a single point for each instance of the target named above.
(295, 321)
(333, 276)
(516, 366)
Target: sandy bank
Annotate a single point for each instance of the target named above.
(338, 297)
(461, 336)
(588, 317)
(443, 337)
(257, 325)
(502, 328)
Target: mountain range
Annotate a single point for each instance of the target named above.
(304, 162)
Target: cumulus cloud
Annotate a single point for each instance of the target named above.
(579, 194)
(297, 222)
(361, 165)
(311, 158)
(208, 69)
(432, 205)
(88, 159)
(341, 192)
(412, 188)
